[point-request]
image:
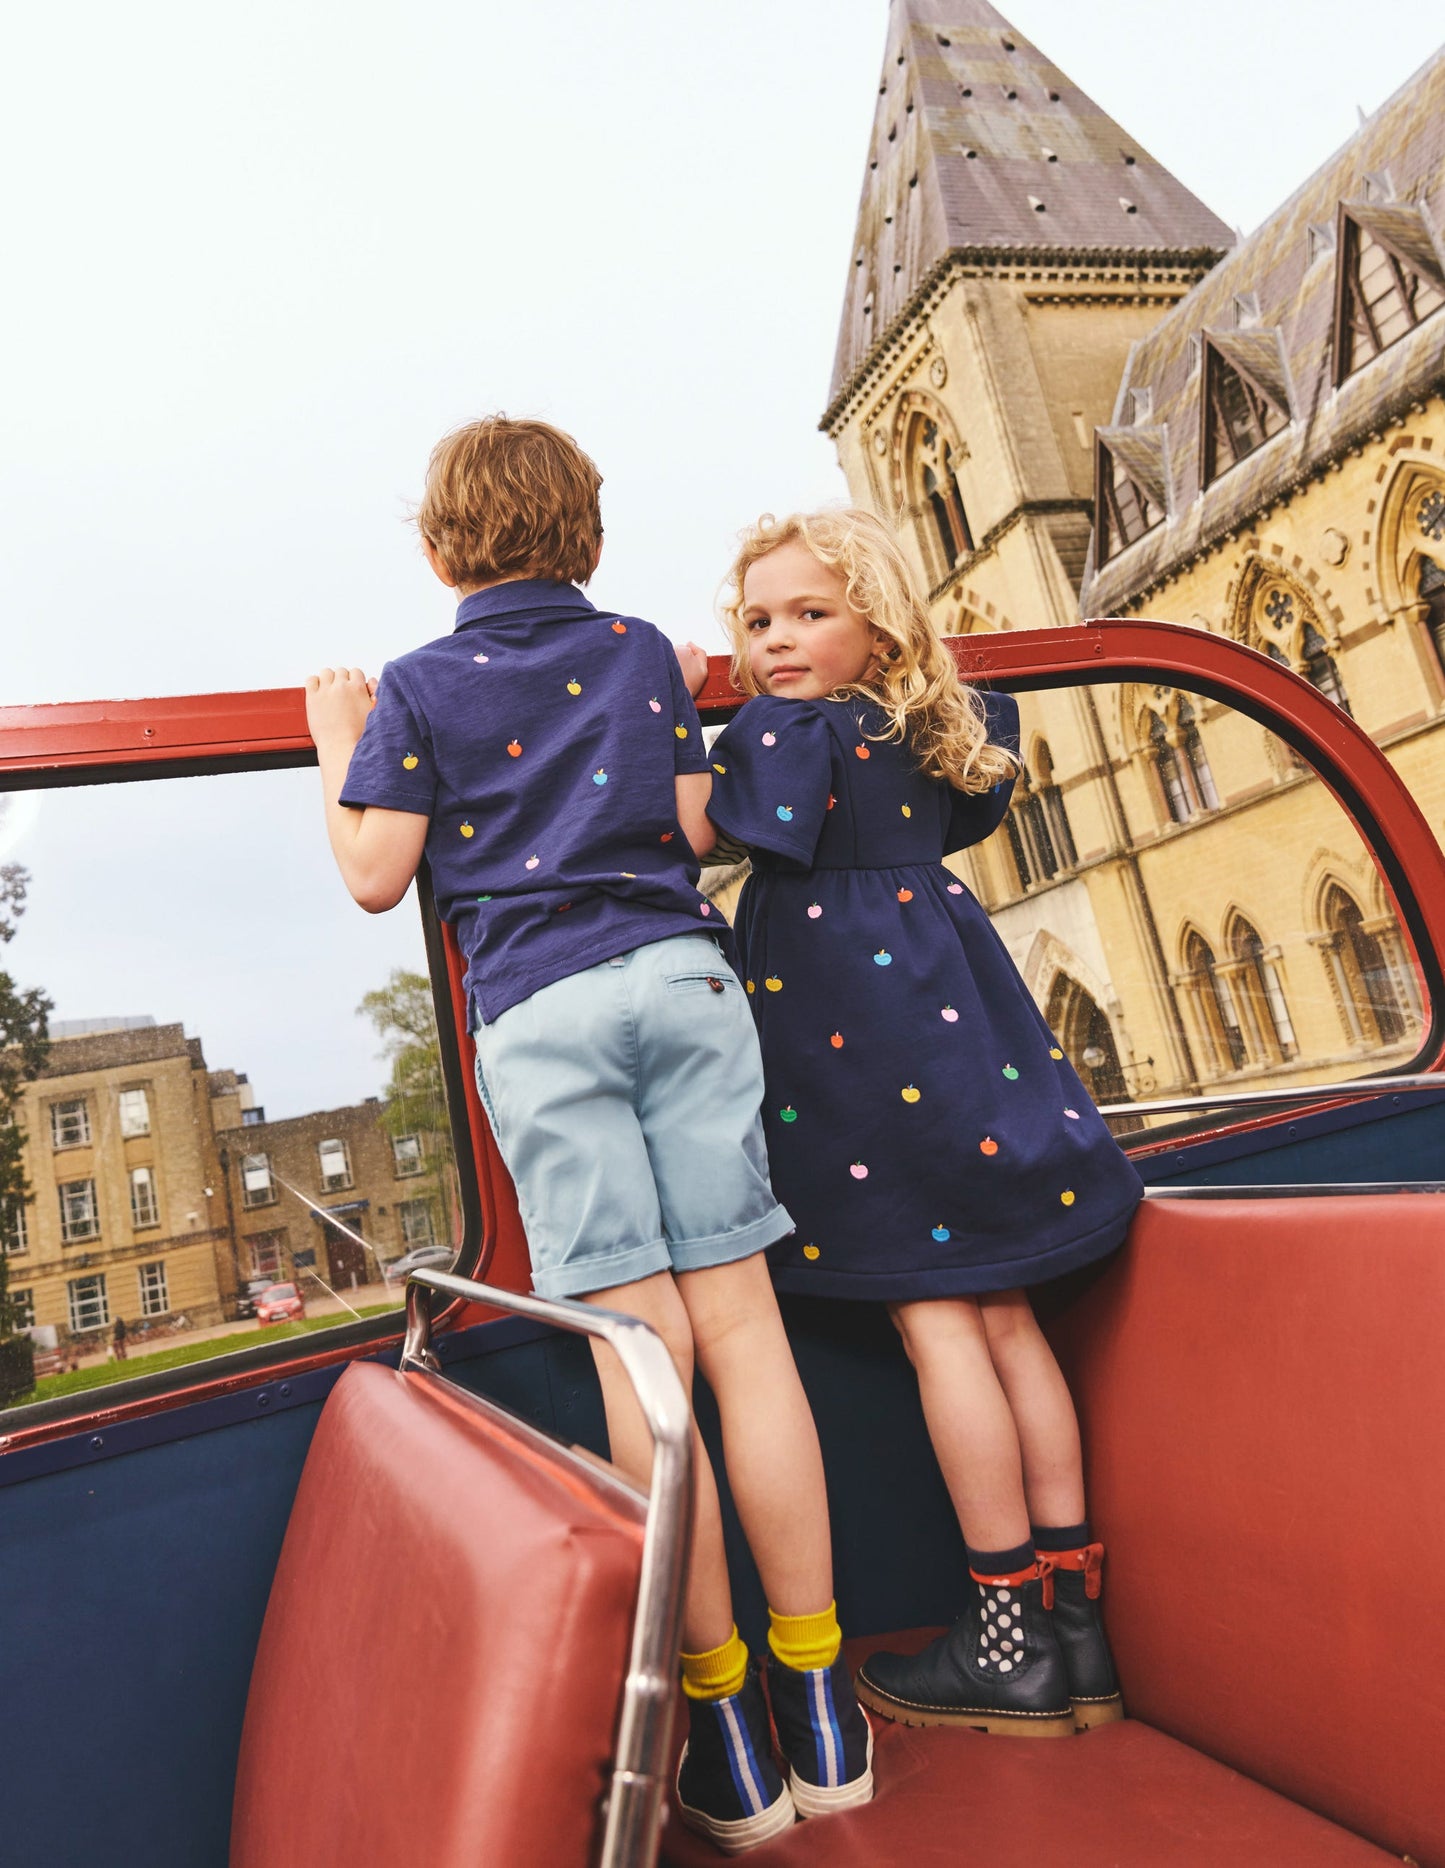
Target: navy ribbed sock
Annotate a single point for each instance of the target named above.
(1062, 1536)
(1002, 1562)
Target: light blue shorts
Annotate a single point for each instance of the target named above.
(625, 1100)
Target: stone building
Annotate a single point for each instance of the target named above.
(388, 1189)
(126, 1217)
(1062, 386)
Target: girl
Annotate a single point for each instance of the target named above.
(925, 1131)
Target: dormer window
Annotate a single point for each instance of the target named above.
(1129, 487)
(1243, 407)
(1389, 280)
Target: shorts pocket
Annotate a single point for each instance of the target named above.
(721, 980)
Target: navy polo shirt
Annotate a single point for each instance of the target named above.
(542, 738)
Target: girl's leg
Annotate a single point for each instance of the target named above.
(770, 1444)
(707, 1621)
(1042, 1408)
(970, 1421)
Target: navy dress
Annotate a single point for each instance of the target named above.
(925, 1130)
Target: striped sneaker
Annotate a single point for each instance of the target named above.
(825, 1736)
(728, 1787)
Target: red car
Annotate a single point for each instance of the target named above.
(278, 1303)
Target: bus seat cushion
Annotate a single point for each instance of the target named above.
(440, 1667)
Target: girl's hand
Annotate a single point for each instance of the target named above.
(693, 661)
(337, 703)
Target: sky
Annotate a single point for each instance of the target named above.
(260, 259)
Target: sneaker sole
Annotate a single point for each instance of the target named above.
(744, 1832)
(1004, 1724)
(823, 1800)
(1091, 1712)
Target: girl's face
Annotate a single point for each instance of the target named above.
(804, 637)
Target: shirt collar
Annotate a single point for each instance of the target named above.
(521, 596)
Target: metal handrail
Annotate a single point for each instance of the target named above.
(1296, 1093)
(634, 1801)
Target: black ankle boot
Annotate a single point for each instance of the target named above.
(998, 1669)
(1072, 1580)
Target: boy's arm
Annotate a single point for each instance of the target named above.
(693, 791)
(377, 851)
(693, 661)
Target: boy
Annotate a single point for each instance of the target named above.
(548, 761)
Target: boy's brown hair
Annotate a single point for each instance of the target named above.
(511, 499)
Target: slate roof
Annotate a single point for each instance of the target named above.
(1288, 268)
(981, 144)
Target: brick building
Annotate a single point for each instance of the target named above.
(385, 1188)
(126, 1216)
(158, 1188)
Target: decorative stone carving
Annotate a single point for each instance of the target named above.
(1334, 546)
(938, 372)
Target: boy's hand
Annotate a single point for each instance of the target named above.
(337, 703)
(693, 661)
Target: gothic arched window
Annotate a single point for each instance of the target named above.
(1179, 758)
(1366, 971)
(1193, 747)
(1055, 815)
(1282, 624)
(1259, 998)
(1432, 598)
(929, 465)
(1214, 1004)
(1171, 776)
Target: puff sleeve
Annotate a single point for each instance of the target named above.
(771, 778)
(393, 765)
(977, 814)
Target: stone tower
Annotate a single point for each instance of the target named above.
(1013, 242)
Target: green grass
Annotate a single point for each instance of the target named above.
(76, 1381)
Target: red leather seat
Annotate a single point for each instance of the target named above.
(1124, 1796)
(447, 1635)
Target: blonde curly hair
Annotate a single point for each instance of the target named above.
(916, 684)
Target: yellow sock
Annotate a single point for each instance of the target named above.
(717, 1674)
(806, 1641)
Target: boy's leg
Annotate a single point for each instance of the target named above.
(770, 1443)
(727, 1785)
(707, 1610)
(969, 1418)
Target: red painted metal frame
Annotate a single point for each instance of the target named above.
(95, 742)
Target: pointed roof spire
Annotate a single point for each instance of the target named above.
(980, 143)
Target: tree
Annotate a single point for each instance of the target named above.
(24, 1043)
(416, 1101)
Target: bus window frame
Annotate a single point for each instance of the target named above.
(73, 744)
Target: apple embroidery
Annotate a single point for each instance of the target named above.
(785, 812)
(858, 1171)
(942, 1234)
(599, 777)
(409, 763)
(910, 1095)
(988, 1146)
(883, 957)
(814, 911)
(514, 748)
(467, 830)
(770, 739)
(948, 1015)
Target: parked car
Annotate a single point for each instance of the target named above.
(249, 1292)
(400, 1269)
(278, 1303)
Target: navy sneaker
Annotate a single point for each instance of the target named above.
(728, 1787)
(825, 1736)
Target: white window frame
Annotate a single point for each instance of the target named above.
(73, 1231)
(335, 1146)
(406, 1210)
(70, 1123)
(76, 1304)
(14, 1228)
(154, 1288)
(268, 1243)
(24, 1302)
(252, 1196)
(135, 1112)
(417, 1161)
(147, 1212)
